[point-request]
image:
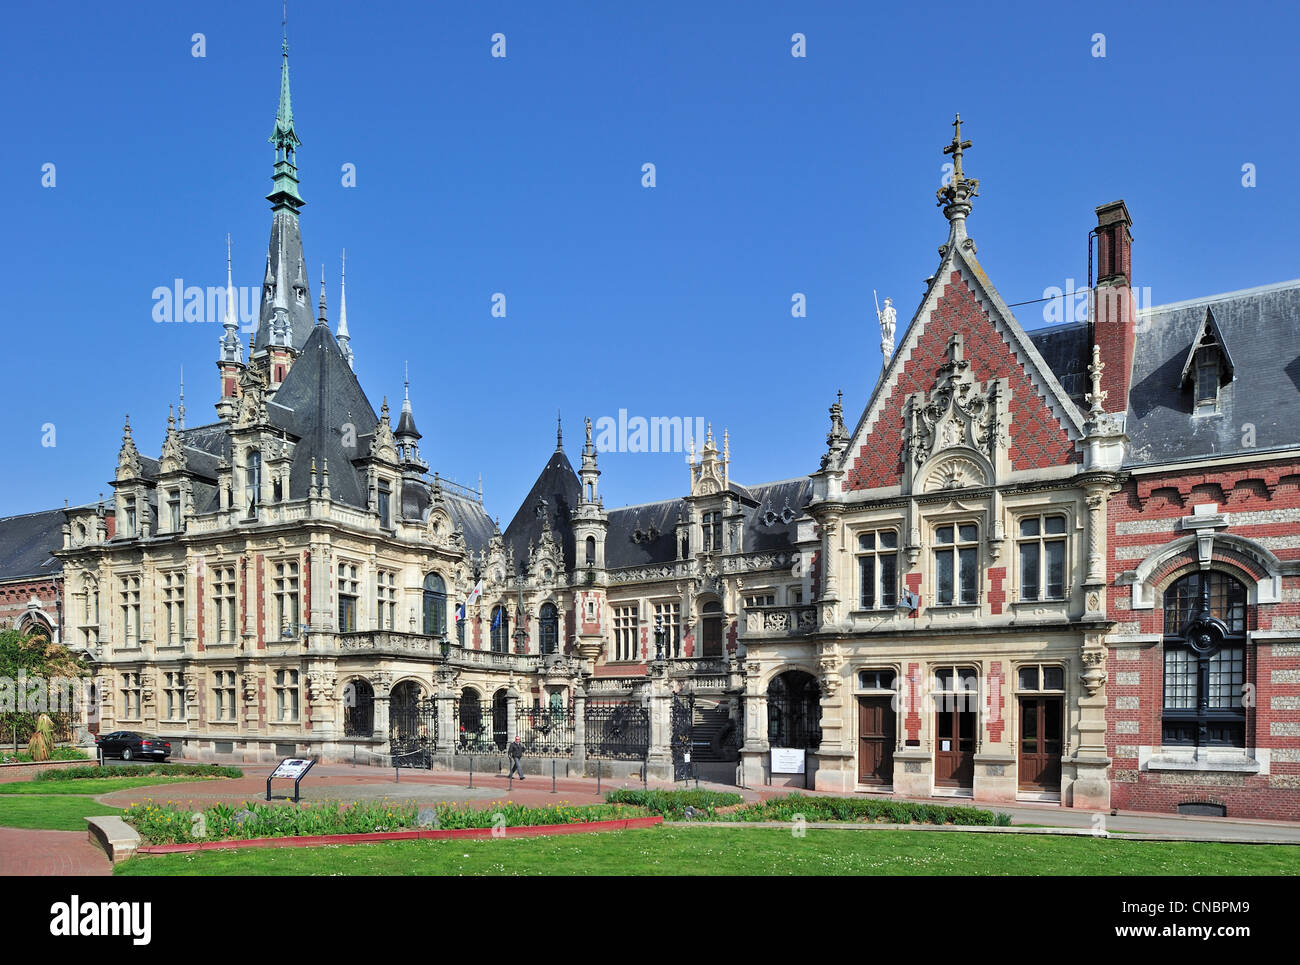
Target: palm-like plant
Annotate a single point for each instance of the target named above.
(41, 743)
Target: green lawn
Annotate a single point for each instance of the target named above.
(752, 851)
(90, 787)
(51, 813)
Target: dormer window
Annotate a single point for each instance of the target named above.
(1208, 366)
(1207, 380)
(385, 498)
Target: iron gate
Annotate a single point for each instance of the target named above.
(683, 720)
(546, 731)
(617, 730)
(413, 732)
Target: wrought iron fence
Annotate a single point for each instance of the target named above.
(479, 729)
(617, 730)
(545, 731)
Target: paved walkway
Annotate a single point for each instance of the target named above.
(51, 853)
(71, 853)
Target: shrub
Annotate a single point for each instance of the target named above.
(862, 811)
(57, 754)
(171, 823)
(95, 772)
(672, 804)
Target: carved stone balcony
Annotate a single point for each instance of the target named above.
(791, 620)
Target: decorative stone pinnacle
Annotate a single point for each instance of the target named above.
(955, 196)
(1096, 398)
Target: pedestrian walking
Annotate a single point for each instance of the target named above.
(516, 753)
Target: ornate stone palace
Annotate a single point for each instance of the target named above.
(1037, 566)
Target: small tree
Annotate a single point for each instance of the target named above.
(41, 744)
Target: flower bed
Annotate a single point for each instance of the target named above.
(170, 823)
(672, 805)
(60, 753)
(864, 811)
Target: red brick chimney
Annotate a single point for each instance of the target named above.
(1114, 317)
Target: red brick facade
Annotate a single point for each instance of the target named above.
(1038, 440)
(1261, 504)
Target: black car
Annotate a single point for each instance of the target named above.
(130, 744)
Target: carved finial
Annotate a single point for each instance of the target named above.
(955, 196)
(1096, 398)
(559, 431)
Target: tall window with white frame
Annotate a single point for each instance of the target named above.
(626, 621)
(223, 695)
(1205, 661)
(131, 691)
(174, 694)
(286, 695)
(548, 628)
(174, 510)
(435, 606)
(712, 532)
(385, 501)
(956, 564)
(669, 618)
(349, 591)
(223, 598)
(129, 505)
(129, 594)
(500, 637)
(386, 599)
(1041, 545)
(878, 570)
(173, 590)
(286, 598)
(253, 481)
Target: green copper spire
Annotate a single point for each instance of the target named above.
(284, 193)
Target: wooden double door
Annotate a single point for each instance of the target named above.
(877, 734)
(1041, 724)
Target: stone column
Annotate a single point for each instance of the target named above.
(754, 759)
(512, 713)
(579, 728)
(383, 685)
(660, 705)
(444, 700)
(1091, 787)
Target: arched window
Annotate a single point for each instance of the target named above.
(794, 710)
(591, 551)
(1205, 661)
(404, 711)
(435, 606)
(500, 630)
(712, 630)
(549, 628)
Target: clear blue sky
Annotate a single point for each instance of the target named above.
(523, 176)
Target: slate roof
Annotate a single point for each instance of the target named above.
(286, 238)
(1067, 352)
(27, 544)
(318, 398)
(1260, 328)
(769, 523)
(557, 484)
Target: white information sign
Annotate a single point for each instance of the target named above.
(292, 768)
(788, 760)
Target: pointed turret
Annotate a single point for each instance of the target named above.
(407, 435)
(230, 358)
(323, 317)
(285, 318)
(344, 338)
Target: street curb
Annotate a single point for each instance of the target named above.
(316, 840)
